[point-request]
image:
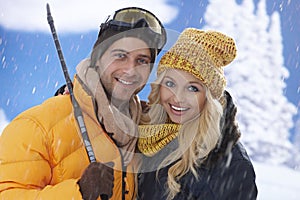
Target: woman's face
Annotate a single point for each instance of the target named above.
(182, 95)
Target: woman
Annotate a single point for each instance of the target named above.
(189, 135)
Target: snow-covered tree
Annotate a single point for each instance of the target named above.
(256, 78)
(297, 134)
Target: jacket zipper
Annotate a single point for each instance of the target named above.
(124, 192)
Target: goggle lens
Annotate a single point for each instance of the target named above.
(133, 15)
(135, 18)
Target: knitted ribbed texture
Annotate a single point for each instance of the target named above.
(203, 54)
(153, 138)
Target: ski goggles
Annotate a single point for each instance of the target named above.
(134, 17)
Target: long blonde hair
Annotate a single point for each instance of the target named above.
(196, 137)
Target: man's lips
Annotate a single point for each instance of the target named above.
(125, 82)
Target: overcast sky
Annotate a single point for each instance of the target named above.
(72, 16)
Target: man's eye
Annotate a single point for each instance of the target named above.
(119, 55)
(143, 61)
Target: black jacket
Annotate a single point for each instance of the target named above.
(227, 173)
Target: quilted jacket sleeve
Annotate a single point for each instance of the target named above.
(25, 164)
(237, 179)
(241, 184)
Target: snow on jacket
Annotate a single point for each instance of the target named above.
(42, 155)
(227, 174)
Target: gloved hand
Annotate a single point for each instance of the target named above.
(97, 179)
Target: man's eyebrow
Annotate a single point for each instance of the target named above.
(145, 56)
(119, 50)
(128, 52)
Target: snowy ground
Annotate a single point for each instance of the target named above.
(275, 182)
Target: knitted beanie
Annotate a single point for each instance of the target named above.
(203, 54)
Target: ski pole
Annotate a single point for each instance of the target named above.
(77, 110)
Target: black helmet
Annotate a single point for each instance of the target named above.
(147, 27)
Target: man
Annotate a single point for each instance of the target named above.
(42, 151)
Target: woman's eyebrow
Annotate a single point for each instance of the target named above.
(197, 83)
(169, 77)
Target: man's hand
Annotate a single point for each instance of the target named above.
(97, 179)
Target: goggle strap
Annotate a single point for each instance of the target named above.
(103, 26)
(107, 19)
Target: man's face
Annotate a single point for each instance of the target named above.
(125, 67)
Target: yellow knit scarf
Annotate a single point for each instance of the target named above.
(152, 138)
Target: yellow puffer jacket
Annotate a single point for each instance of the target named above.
(42, 155)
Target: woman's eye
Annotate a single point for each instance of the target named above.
(193, 89)
(169, 84)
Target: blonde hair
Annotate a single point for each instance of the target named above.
(196, 137)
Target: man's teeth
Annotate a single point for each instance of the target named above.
(178, 108)
(125, 82)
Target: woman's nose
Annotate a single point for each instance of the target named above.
(179, 95)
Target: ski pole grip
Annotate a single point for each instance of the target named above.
(104, 197)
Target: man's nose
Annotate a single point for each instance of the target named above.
(129, 65)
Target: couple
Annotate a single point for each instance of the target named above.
(186, 146)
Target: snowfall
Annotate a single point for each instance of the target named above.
(258, 106)
(274, 182)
